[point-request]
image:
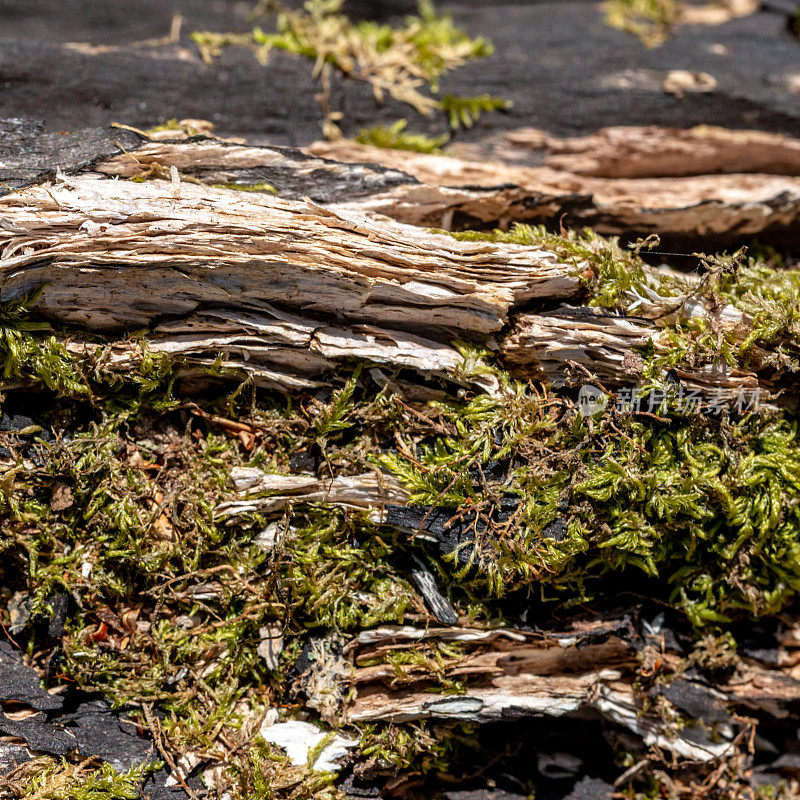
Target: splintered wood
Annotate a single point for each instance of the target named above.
(283, 289)
(704, 183)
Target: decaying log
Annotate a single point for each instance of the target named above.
(118, 255)
(215, 270)
(283, 289)
(157, 251)
(588, 669)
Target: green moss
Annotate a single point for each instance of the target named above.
(404, 62)
(431, 659)
(396, 138)
(332, 418)
(651, 21)
(28, 356)
(428, 46)
(705, 506)
(48, 779)
(411, 748)
(465, 111)
(266, 774)
(339, 572)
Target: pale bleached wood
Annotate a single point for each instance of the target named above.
(278, 350)
(285, 291)
(295, 174)
(115, 255)
(267, 493)
(701, 206)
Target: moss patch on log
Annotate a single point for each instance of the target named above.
(111, 502)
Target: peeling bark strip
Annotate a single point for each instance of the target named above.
(539, 346)
(514, 674)
(653, 152)
(117, 255)
(585, 670)
(212, 270)
(663, 184)
(269, 493)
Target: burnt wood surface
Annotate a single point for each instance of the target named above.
(82, 63)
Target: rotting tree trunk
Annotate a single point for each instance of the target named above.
(337, 266)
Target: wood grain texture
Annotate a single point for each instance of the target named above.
(283, 289)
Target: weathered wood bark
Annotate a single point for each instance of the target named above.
(286, 288)
(705, 185)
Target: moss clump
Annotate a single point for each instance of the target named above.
(651, 21)
(388, 749)
(708, 506)
(341, 572)
(35, 358)
(406, 62)
(619, 280)
(396, 138)
(47, 779)
(465, 111)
